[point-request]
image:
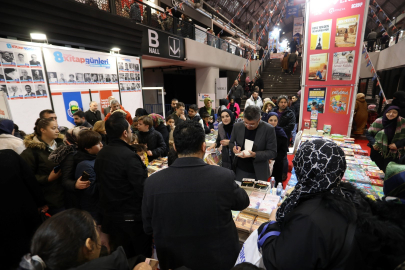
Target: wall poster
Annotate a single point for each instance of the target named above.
(318, 67)
(339, 99)
(342, 67)
(316, 100)
(346, 31)
(320, 35)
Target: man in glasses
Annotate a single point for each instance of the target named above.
(254, 162)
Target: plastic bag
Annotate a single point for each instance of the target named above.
(250, 252)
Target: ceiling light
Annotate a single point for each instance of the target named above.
(38, 36)
(115, 49)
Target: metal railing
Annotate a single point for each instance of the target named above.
(144, 14)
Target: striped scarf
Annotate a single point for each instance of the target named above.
(381, 140)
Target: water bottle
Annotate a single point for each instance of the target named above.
(279, 189)
(272, 182)
(216, 125)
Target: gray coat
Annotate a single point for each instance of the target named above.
(265, 144)
(237, 91)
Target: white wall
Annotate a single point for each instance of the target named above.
(205, 80)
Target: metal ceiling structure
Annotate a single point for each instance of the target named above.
(393, 8)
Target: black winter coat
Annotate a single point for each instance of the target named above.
(295, 107)
(91, 117)
(187, 207)
(204, 110)
(23, 194)
(154, 140)
(313, 234)
(282, 149)
(121, 175)
(287, 121)
(164, 130)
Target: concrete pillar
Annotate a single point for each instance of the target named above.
(205, 81)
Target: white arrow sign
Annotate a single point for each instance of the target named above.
(174, 50)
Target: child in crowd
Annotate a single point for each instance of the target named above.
(193, 114)
(170, 122)
(134, 142)
(141, 151)
(134, 125)
(208, 127)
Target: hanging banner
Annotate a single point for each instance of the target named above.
(298, 26)
(86, 72)
(292, 10)
(73, 104)
(331, 59)
(129, 71)
(22, 80)
(104, 95)
(221, 88)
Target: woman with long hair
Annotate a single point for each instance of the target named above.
(39, 145)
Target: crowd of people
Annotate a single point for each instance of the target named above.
(81, 197)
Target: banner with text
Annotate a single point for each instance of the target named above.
(22, 80)
(332, 50)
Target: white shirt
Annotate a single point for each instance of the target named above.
(53, 145)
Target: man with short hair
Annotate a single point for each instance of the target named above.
(40, 90)
(194, 115)
(237, 92)
(173, 106)
(34, 61)
(29, 93)
(179, 115)
(115, 105)
(254, 99)
(253, 163)
(48, 114)
(371, 39)
(21, 60)
(151, 138)
(25, 76)
(121, 175)
(108, 109)
(7, 57)
(93, 115)
(62, 78)
(80, 120)
(206, 238)
(285, 115)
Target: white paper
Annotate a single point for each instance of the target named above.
(248, 145)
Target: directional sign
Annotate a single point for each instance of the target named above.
(161, 44)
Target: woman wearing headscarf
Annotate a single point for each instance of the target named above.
(224, 135)
(282, 146)
(159, 125)
(398, 99)
(233, 107)
(223, 103)
(360, 114)
(387, 137)
(64, 156)
(207, 109)
(308, 231)
(268, 107)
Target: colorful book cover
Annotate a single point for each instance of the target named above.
(244, 221)
(318, 67)
(346, 31)
(235, 214)
(327, 129)
(307, 124)
(342, 66)
(314, 114)
(258, 221)
(316, 100)
(320, 35)
(314, 123)
(254, 203)
(339, 99)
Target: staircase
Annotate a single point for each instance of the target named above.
(277, 83)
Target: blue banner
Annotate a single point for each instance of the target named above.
(292, 10)
(73, 103)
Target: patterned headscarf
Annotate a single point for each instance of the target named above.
(319, 166)
(157, 119)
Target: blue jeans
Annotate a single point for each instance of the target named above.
(294, 133)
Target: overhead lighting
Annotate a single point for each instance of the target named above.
(115, 49)
(38, 36)
(283, 33)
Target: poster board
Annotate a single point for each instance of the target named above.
(5, 112)
(221, 88)
(22, 79)
(129, 76)
(332, 57)
(76, 77)
(202, 96)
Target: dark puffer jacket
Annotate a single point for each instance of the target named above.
(154, 140)
(164, 130)
(296, 109)
(36, 155)
(287, 121)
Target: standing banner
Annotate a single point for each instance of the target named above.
(202, 96)
(22, 79)
(332, 58)
(221, 88)
(104, 95)
(79, 71)
(129, 71)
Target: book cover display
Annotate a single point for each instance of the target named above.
(316, 101)
(339, 99)
(318, 67)
(342, 67)
(320, 35)
(346, 31)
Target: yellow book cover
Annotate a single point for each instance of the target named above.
(346, 31)
(320, 35)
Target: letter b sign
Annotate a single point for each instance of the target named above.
(153, 38)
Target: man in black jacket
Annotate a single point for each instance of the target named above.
(187, 207)
(93, 115)
(80, 120)
(259, 83)
(121, 175)
(237, 92)
(151, 138)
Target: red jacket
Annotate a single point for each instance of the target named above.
(128, 116)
